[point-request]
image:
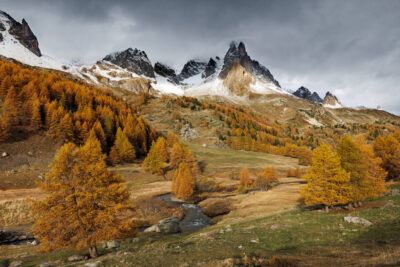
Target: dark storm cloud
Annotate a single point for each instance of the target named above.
(349, 47)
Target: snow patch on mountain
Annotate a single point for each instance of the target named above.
(10, 47)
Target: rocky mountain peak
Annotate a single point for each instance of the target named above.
(134, 60)
(237, 54)
(21, 31)
(192, 68)
(167, 72)
(331, 100)
(211, 67)
(305, 93)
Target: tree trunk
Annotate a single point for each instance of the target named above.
(93, 252)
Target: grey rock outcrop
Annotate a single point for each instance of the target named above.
(133, 60)
(23, 33)
(304, 93)
(166, 71)
(166, 226)
(357, 220)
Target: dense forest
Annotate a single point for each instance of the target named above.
(35, 101)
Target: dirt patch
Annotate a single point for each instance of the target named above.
(27, 160)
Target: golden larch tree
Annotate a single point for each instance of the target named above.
(113, 157)
(186, 182)
(244, 178)
(351, 160)
(3, 130)
(388, 149)
(154, 162)
(327, 182)
(376, 174)
(125, 149)
(267, 179)
(162, 148)
(83, 201)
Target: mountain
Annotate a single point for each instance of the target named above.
(237, 54)
(331, 101)
(133, 60)
(20, 31)
(192, 68)
(18, 42)
(166, 72)
(234, 78)
(303, 92)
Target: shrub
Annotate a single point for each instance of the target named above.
(206, 184)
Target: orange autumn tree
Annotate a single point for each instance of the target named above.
(267, 179)
(183, 182)
(83, 201)
(124, 147)
(327, 182)
(351, 160)
(3, 130)
(388, 149)
(155, 161)
(376, 174)
(244, 182)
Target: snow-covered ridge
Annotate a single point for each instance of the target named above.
(12, 48)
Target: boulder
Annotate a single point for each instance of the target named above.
(169, 225)
(112, 244)
(153, 228)
(215, 206)
(4, 154)
(16, 264)
(357, 220)
(165, 226)
(74, 258)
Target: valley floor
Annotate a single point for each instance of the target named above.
(261, 227)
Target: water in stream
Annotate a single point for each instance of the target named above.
(194, 219)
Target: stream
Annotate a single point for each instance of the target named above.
(194, 219)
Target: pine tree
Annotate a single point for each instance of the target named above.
(327, 182)
(3, 131)
(154, 161)
(267, 179)
(388, 149)
(162, 148)
(351, 160)
(176, 155)
(113, 157)
(10, 108)
(244, 177)
(5, 85)
(84, 202)
(36, 118)
(186, 182)
(376, 174)
(66, 128)
(176, 182)
(125, 149)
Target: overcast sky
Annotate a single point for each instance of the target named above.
(351, 48)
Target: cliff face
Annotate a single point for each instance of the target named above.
(21, 31)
